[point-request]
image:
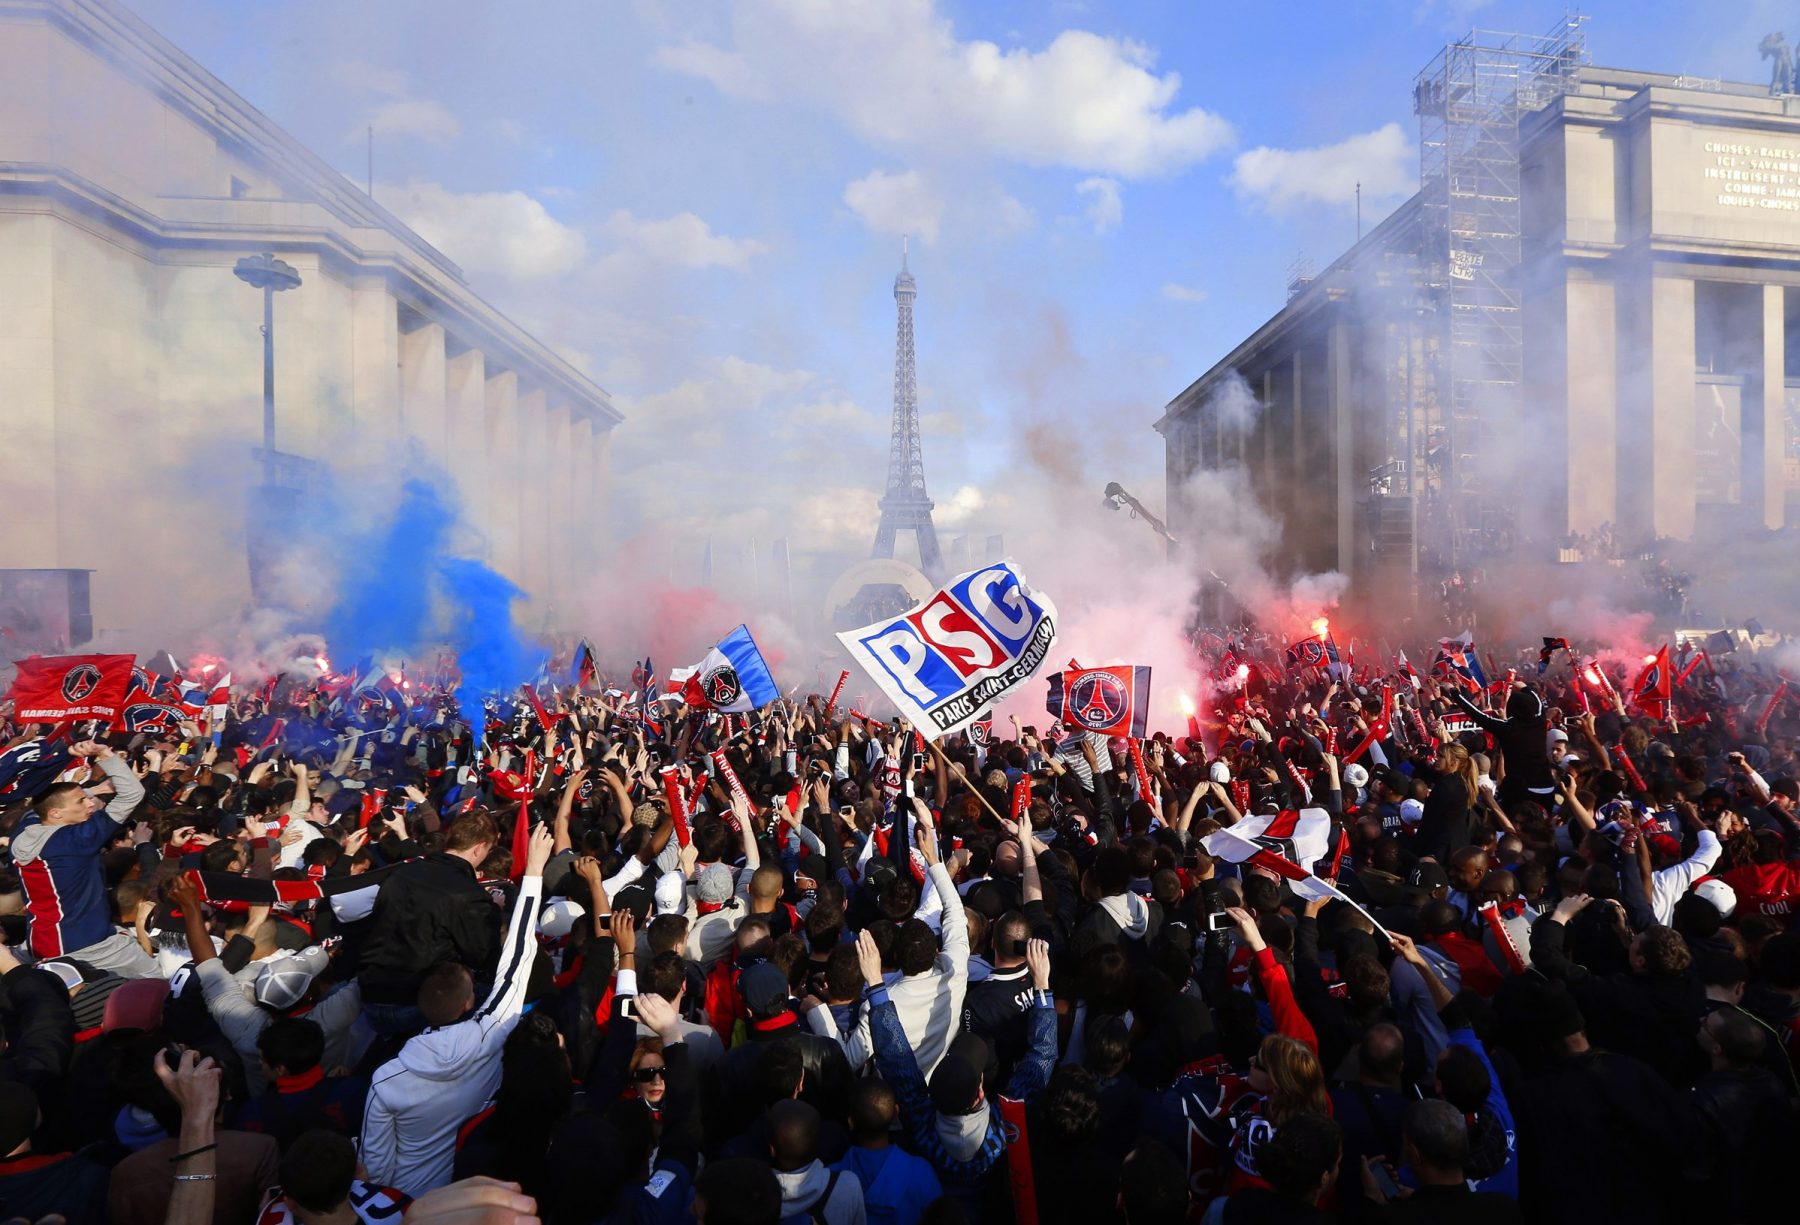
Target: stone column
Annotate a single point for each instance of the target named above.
(533, 473)
(1671, 402)
(1768, 486)
(1590, 403)
(562, 522)
(465, 435)
(375, 367)
(422, 391)
(1340, 428)
(584, 493)
(28, 469)
(600, 478)
(504, 486)
(1656, 424)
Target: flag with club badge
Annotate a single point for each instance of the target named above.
(1309, 652)
(732, 679)
(1111, 701)
(66, 688)
(1654, 687)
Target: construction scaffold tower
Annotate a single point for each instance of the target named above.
(1470, 101)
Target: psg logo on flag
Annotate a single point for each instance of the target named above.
(140, 716)
(721, 685)
(1098, 700)
(80, 681)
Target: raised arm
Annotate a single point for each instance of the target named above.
(506, 1000)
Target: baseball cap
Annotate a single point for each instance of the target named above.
(1219, 772)
(764, 989)
(669, 899)
(558, 918)
(715, 885)
(284, 980)
(1557, 734)
(1411, 812)
(1721, 895)
(89, 990)
(1426, 877)
(955, 1083)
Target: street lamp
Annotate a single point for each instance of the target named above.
(270, 275)
(1116, 498)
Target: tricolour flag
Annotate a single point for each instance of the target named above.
(1111, 701)
(1234, 846)
(733, 677)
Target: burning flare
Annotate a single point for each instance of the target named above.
(1321, 627)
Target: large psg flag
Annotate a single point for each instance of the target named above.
(1110, 701)
(59, 688)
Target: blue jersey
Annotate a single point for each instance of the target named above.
(60, 869)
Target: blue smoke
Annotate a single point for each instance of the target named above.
(385, 598)
(402, 592)
(494, 658)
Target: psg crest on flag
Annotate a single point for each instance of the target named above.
(721, 686)
(80, 681)
(1097, 700)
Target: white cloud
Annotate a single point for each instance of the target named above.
(1009, 216)
(1104, 207)
(895, 72)
(506, 234)
(684, 241)
(1182, 293)
(959, 508)
(402, 113)
(1281, 180)
(416, 118)
(896, 204)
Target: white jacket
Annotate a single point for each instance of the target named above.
(1667, 886)
(420, 1098)
(930, 1004)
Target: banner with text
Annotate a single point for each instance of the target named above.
(945, 662)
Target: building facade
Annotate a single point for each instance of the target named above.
(1578, 336)
(131, 183)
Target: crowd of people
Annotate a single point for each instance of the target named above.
(350, 958)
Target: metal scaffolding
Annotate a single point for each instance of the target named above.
(1470, 100)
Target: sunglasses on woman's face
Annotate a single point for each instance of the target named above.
(646, 1075)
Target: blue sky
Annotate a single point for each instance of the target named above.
(700, 203)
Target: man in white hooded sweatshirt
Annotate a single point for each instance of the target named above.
(419, 1098)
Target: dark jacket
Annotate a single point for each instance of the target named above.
(1452, 1206)
(1637, 1141)
(741, 1096)
(1746, 1135)
(431, 911)
(310, 1101)
(1444, 827)
(36, 1184)
(995, 1009)
(1524, 742)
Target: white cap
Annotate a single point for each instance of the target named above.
(1411, 812)
(1721, 895)
(1557, 733)
(671, 893)
(558, 918)
(1219, 772)
(1356, 775)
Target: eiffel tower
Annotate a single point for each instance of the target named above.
(906, 506)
